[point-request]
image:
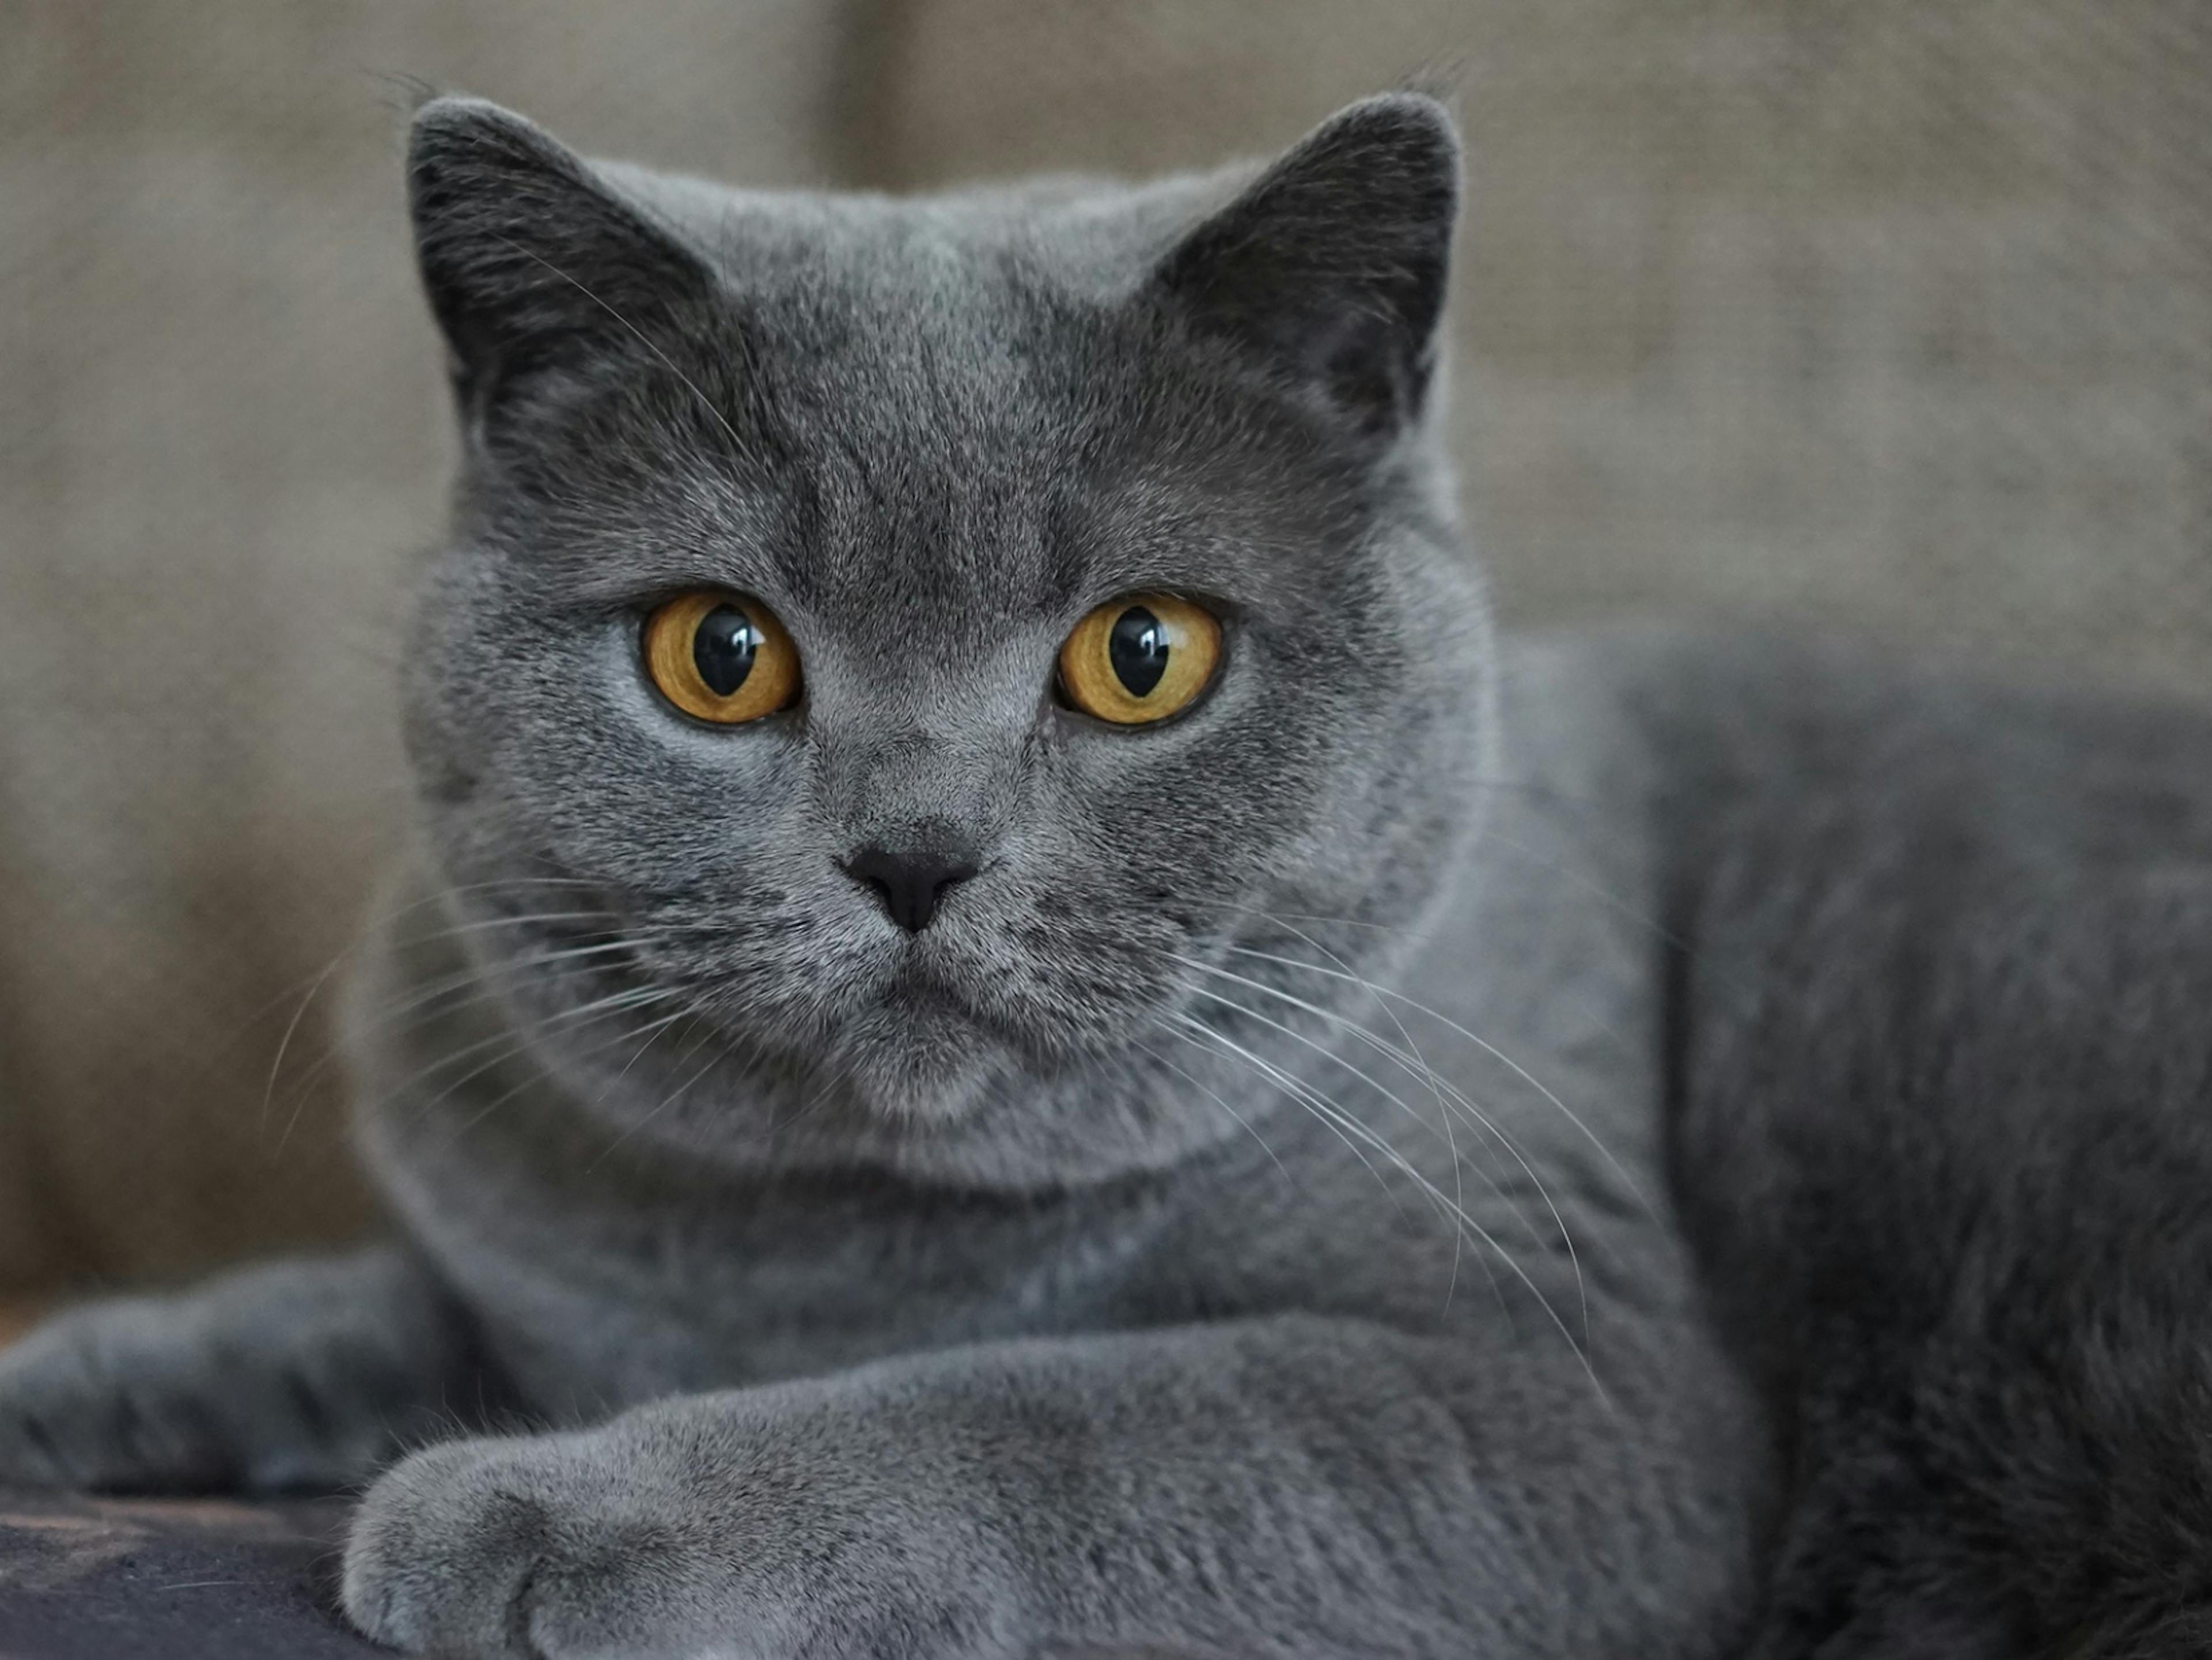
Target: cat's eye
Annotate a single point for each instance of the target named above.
(722, 657)
(1139, 659)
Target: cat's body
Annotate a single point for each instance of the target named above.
(1380, 1163)
(615, 1274)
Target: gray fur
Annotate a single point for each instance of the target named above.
(1127, 1260)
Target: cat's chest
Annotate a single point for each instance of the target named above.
(596, 1301)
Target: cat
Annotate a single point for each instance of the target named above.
(1015, 1029)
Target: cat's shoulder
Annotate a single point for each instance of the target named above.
(1759, 686)
(1794, 726)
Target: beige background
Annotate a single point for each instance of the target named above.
(1896, 312)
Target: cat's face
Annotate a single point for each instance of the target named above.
(919, 903)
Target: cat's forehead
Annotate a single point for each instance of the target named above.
(1082, 233)
(954, 316)
(939, 356)
(947, 406)
(960, 415)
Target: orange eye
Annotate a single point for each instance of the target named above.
(722, 657)
(1139, 659)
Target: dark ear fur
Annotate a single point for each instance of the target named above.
(1333, 263)
(526, 256)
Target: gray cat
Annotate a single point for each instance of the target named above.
(1015, 1032)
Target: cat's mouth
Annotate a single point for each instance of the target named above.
(915, 992)
(921, 1053)
(919, 1029)
(930, 1002)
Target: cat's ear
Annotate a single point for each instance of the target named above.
(1333, 263)
(526, 256)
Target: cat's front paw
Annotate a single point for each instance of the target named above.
(495, 1548)
(107, 1398)
(605, 1542)
(270, 1380)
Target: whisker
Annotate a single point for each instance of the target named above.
(1627, 1180)
(666, 1101)
(311, 988)
(284, 1044)
(1342, 1122)
(656, 1029)
(1215, 1096)
(509, 1041)
(1459, 1186)
(486, 924)
(478, 983)
(1407, 930)
(1409, 1063)
(1458, 1235)
(1410, 1059)
(1497, 1191)
(376, 918)
(1344, 1125)
(1185, 1025)
(498, 1101)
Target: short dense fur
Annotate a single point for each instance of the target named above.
(1946, 1137)
(1262, 1213)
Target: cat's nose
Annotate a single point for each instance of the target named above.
(910, 880)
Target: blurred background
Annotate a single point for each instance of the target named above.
(1894, 313)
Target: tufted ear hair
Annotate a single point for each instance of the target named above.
(528, 259)
(1332, 265)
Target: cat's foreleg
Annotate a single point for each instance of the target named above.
(1278, 1487)
(292, 1375)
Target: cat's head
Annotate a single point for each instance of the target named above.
(887, 645)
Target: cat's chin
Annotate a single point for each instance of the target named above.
(915, 1065)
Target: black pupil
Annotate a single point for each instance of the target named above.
(723, 647)
(1138, 648)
